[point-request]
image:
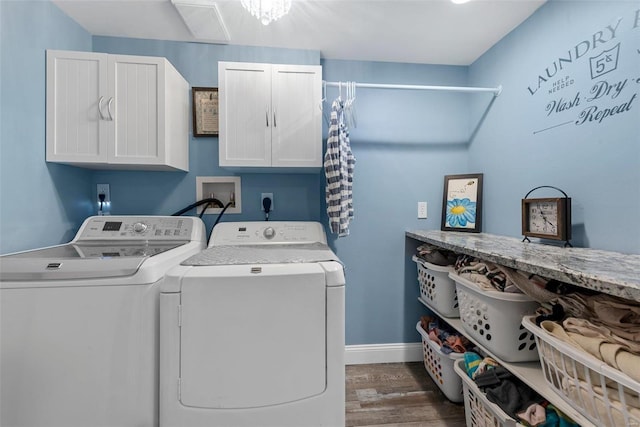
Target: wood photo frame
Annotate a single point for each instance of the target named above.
(205, 111)
(462, 203)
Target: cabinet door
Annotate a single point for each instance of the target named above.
(297, 118)
(76, 91)
(246, 121)
(138, 94)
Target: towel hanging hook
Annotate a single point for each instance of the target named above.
(354, 118)
(352, 92)
(324, 95)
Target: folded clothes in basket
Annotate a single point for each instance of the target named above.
(596, 328)
(530, 284)
(599, 342)
(484, 274)
(553, 418)
(509, 393)
(448, 340)
(475, 365)
(514, 397)
(520, 402)
(600, 407)
(492, 377)
(435, 255)
(617, 314)
(490, 276)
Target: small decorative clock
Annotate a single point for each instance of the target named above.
(547, 218)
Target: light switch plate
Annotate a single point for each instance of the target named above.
(422, 210)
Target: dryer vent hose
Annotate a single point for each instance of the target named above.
(209, 201)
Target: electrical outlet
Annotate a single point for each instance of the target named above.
(104, 206)
(103, 189)
(264, 196)
(422, 210)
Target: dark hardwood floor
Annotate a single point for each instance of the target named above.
(397, 394)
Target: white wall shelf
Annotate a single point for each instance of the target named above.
(608, 272)
(529, 372)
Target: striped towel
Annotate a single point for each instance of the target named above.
(339, 163)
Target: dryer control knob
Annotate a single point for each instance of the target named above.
(139, 227)
(269, 233)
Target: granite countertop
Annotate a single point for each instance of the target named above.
(609, 272)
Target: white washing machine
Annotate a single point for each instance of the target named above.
(79, 323)
(252, 330)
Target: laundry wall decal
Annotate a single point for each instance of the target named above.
(586, 86)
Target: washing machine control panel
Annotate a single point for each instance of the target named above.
(251, 233)
(136, 228)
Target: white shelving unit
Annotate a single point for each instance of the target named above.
(529, 372)
(603, 271)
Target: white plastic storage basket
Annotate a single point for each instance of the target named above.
(494, 319)
(437, 290)
(478, 411)
(440, 367)
(604, 395)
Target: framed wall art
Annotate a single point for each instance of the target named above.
(462, 203)
(205, 111)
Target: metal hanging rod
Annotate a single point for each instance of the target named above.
(495, 90)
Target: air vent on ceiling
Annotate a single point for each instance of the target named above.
(203, 19)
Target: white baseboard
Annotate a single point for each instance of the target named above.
(383, 353)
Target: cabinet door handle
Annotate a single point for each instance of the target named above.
(100, 108)
(266, 115)
(274, 118)
(109, 108)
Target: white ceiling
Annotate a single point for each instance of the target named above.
(413, 31)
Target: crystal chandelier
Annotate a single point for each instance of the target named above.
(267, 10)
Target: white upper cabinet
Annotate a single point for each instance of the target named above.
(270, 115)
(116, 112)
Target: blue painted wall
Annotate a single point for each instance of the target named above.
(532, 136)
(41, 204)
(405, 142)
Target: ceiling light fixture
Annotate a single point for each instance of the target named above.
(267, 10)
(460, 1)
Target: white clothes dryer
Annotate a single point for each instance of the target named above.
(252, 330)
(79, 323)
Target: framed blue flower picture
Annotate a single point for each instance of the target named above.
(462, 203)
